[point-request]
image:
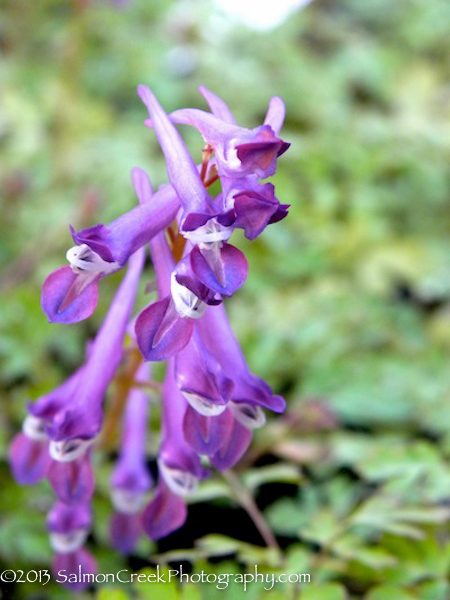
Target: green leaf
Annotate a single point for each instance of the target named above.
(385, 592)
(324, 591)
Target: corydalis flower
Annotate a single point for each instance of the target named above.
(131, 479)
(28, 452)
(239, 151)
(73, 428)
(70, 294)
(250, 393)
(179, 466)
(165, 327)
(217, 265)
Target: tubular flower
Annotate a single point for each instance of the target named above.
(131, 480)
(210, 400)
(70, 294)
(74, 427)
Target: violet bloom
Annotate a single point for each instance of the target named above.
(200, 378)
(165, 327)
(69, 526)
(250, 393)
(28, 458)
(131, 479)
(28, 452)
(254, 205)
(70, 294)
(73, 482)
(74, 428)
(218, 265)
(178, 464)
(239, 151)
(166, 513)
(78, 567)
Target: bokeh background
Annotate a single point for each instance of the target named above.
(346, 308)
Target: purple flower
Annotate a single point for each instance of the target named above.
(200, 378)
(198, 207)
(28, 452)
(165, 327)
(75, 567)
(73, 482)
(28, 459)
(250, 392)
(178, 464)
(219, 266)
(211, 402)
(131, 479)
(166, 513)
(125, 530)
(73, 428)
(69, 526)
(254, 205)
(70, 294)
(238, 151)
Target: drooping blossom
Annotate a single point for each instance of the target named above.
(70, 293)
(131, 480)
(74, 427)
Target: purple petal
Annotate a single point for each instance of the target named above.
(182, 171)
(58, 287)
(29, 459)
(233, 446)
(166, 513)
(160, 334)
(72, 482)
(65, 518)
(280, 214)
(125, 531)
(260, 154)
(254, 210)
(217, 105)
(120, 239)
(142, 184)
(215, 131)
(275, 114)
(186, 277)
(47, 406)
(226, 275)
(198, 373)
(251, 389)
(71, 565)
(205, 435)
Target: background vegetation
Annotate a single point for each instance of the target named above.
(346, 309)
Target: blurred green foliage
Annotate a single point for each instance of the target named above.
(346, 308)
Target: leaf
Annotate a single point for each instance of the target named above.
(385, 592)
(383, 513)
(324, 591)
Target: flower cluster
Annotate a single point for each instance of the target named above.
(211, 401)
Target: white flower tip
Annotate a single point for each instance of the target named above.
(187, 304)
(249, 415)
(124, 501)
(65, 543)
(34, 428)
(69, 450)
(83, 259)
(204, 406)
(178, 481)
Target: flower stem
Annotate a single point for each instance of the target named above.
(247, 502)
